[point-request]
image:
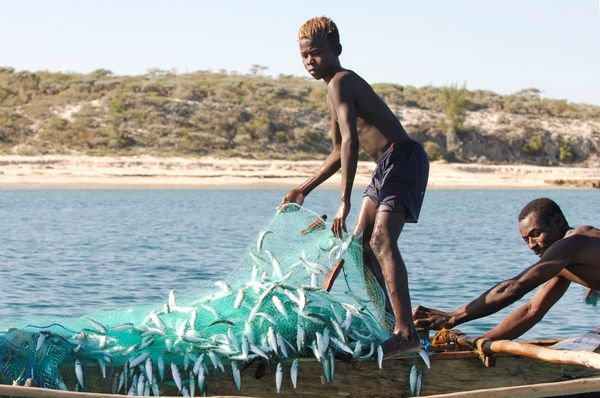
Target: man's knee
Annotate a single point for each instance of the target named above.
(380, 244)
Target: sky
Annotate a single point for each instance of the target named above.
(498, 45)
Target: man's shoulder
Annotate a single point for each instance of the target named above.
(584, 231)
(348, 80)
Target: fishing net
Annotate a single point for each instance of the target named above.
(271, 308)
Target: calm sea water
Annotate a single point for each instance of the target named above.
(75, 251)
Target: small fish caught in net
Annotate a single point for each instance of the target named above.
(271, 308)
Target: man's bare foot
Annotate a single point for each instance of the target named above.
(396, 345)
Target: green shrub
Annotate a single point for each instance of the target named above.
(533, 146)
(454, 101)
(565, 151)
(434, 150)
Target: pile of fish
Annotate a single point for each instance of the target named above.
(277, 315)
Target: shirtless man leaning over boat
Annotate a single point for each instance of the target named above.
(566, 254)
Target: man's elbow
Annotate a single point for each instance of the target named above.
(512, 290)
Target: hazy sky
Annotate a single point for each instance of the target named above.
(498, 45)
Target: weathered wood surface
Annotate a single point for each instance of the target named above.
(556, 389)
(450, 372)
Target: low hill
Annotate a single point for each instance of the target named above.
(252, 116)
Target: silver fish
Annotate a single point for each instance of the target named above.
(369, 354)
(315, 351)
(357, 349)
(261, 239)
(122, 327)
(326, 334)
(425, 358)
(339, 317)
(418, 385)
(186, 361)
(168, 345)
(184, 392)
(102, 367)
(146, 342)
(233, 341)
(79, 373)
(236, 375)
(272, 339)
(199, 363)
(326, 369)
(275, 264)
(278, 377)
(125, 374)
(176, 375)
(239, 299)
(245, 346)
(342, 346)
(172, 303)
(211, 310)
(140, 384)
(193, 318)
(294, 373)
(301, 299)
(313, 280)
(180, 328)
(348, 320)
(380, 356)
(331, 358)
(40, 341)
(213, 359)
(320, 345)
(121, 383)
(138, 360)
(149, 370)
(267, 317)
(192, 383)
(412, 380)
(300, 337)
(338, 329)
(255, 349)
(155, 389)
(202, 379)
(223, 286)
(314, 267)
(161, 367)
(157, 321)
(279, 305)
(281, 344)
(97, 325)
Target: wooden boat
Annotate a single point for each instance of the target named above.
(453, 370)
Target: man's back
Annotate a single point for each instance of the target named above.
(581, 246)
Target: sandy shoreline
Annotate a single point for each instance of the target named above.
(76, 172)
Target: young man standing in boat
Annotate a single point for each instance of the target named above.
(395, 195)
(566, 254)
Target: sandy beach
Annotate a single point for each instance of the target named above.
(73, 172)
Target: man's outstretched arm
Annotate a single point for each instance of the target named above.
(501, 295)
(528, 315)
(328, 168)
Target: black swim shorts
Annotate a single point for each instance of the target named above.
(399, 180)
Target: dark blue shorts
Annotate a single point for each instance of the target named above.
(399, 180)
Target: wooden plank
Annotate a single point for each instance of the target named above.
(450, 372)
(587, 342)
(580, 386)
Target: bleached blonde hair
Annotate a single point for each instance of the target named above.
(323, 27)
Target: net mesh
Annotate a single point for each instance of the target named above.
(271, 308)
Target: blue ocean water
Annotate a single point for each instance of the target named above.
(71, 252)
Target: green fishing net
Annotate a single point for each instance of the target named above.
(271, 308)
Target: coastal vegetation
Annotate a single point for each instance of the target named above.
(227, 114)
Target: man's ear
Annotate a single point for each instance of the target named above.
(558, 222)
(337, 49)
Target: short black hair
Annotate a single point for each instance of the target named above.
(544, 207)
